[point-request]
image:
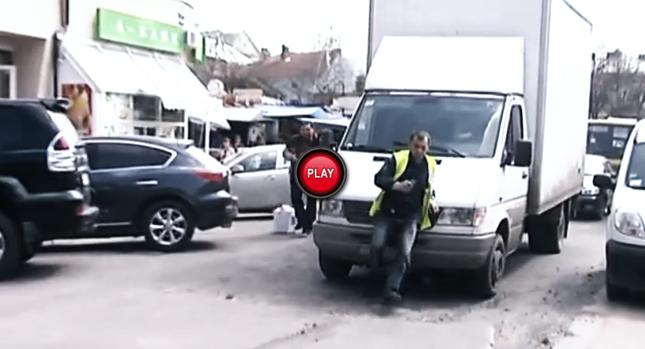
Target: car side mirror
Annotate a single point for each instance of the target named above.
(604, 182)
(523, 153)
(237, 169)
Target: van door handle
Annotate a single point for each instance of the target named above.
(524, 175)
(147, 183)
(269, 177)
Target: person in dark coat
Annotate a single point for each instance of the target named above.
(297, 146)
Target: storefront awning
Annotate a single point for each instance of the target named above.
(119, 69)
(242, 114)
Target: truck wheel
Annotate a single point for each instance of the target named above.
(332, 268)
(546, 235)
(167, 225)
(9, 247)
(485, 278)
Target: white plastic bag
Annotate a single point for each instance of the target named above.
(284, 220)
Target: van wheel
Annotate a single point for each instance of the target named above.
(167, 225)
(333, 269)
(9, 247)
(546, 235)
(486, 278)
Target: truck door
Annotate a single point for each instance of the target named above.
(516, 178)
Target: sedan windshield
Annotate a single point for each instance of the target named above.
(636, 169)
(459, 125)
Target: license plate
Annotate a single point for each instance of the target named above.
(364, 250)
(85, 179)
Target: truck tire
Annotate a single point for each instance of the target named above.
(333, 269)
(547, 232)
(485, 279)
(9, 247)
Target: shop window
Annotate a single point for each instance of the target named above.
(145, 108)
(169, 115)
(145, 131)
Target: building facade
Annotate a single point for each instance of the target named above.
(123, 65)
(27, 48)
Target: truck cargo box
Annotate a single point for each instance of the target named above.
(557, 66)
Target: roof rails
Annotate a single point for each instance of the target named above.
(60, 105)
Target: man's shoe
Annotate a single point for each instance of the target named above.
(392, 297)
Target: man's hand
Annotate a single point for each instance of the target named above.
(403, 187)
(434, 208)
(290, 156)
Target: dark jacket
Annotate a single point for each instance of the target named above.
(402, 205)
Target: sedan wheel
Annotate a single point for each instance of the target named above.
(168, 226)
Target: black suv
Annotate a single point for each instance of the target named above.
(44, 180)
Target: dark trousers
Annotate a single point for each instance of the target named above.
(306, 216)
(399, 234)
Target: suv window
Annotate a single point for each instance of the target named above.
(21, 128)
(260, 162)
(104, 156)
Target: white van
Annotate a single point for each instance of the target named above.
(505, 98)
(625, 247)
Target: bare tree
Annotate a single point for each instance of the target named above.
(332, 68)
(618, 86)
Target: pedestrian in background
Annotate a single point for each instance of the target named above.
(405, 203)
(297, 146)
(237, 143)
(227, 149)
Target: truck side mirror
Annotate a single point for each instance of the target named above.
(523, 153)
(604, 182)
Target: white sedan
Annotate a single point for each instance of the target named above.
(260, 178)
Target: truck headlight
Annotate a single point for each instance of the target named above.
(462, 216)
(590, 191)
(331, 208)
(629, 223)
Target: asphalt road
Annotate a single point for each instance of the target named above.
(247, 288)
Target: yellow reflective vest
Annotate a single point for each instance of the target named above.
(401, 162)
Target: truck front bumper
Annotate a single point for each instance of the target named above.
(431, 250)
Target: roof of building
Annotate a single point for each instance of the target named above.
(296, 65)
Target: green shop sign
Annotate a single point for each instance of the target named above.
(135, 31)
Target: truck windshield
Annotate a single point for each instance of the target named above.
(459, 125)
(636, 169)
(607, 140)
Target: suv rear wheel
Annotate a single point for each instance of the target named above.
(9, 246)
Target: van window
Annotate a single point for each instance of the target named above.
(636, 169)
(514, 132)
(466, 124)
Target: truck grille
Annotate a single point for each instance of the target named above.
(357, 212)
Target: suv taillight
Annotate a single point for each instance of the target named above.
(60, 158)
(209, 175)
(61, 144)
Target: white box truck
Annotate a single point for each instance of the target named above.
(502, 86)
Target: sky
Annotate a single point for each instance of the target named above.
(299, 23)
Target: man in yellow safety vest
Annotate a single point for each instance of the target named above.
(403, 206)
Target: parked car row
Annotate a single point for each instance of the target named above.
(55, 185)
